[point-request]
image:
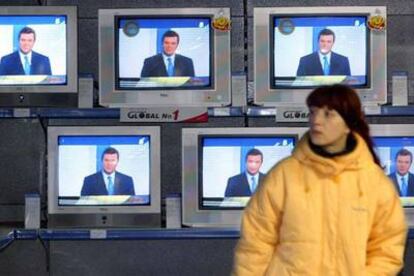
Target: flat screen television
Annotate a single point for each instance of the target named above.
(104, 176)
(163, 57)
(299, 48)
(38, 56)
(395, 148)
(223, 166)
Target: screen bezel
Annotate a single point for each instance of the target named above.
(267, 96)
(218, 95)
(192, 215)
(53, 169)
(201, 138)
(47, 95)
(395, 131)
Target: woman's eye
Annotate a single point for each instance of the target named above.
(330, 113)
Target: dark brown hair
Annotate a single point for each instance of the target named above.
(254, 152)
(110, 150)
(326, 32)
(346, 102)
(27, 30)
(171, 33)
(404, 152)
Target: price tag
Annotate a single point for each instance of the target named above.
(221, 111)
(21, 112)
(97, 234)
(372, 110)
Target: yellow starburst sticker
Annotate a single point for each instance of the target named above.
(376, 22)
(222, 23)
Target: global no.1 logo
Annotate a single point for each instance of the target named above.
(144, 115)
(296, 114)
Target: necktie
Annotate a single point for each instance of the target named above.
(170, 67)
(325, 66)
(254, 184)
(110, 186)
(26, 65)
(403, 187)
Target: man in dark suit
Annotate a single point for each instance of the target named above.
(108, 181)
(402, 178)
(324, 62)
(168, 63)
(25, 61)
(245, 184)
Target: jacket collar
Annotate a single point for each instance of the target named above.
(359, 158)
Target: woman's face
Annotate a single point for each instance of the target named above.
(327, 129)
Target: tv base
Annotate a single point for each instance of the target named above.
(104, 221)
(68, 100)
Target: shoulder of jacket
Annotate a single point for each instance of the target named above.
(287, 163)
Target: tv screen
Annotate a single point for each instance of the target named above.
(234, 166)
(174, 52)
(104, 176)
(394, 145)
(222, 168)
(328, 49)
(38, 56)
(104, 170)
(297, 49)
(33, 50)
(395, 154)
(164, 57)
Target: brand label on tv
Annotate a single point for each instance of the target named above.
(164, 114)
(292, 114)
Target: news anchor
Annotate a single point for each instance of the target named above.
(245, 183)
(324, 62)
(25, 61)
(108, 181)
(168, 63)
(402, 178)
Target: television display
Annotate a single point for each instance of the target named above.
(298, 49)
(330, 38)
(38, 56)
(240, 163)
(104, 171)
(395, 147)
(163, 57)
(222, 167)
(179, 53)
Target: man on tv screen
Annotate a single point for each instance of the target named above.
(108, 181)
(25, 61)
(324, 62)
(245, 183)
(402, 178)
(168, 63)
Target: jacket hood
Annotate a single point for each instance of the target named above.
(359, 158)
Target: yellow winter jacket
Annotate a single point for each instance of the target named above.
(323, 216)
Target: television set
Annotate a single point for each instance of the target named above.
(297, 49)
(218, 166)
(38, 56)
(164, 57)
(389, 140)
(104, 176)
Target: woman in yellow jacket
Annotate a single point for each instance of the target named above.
(328, 209)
